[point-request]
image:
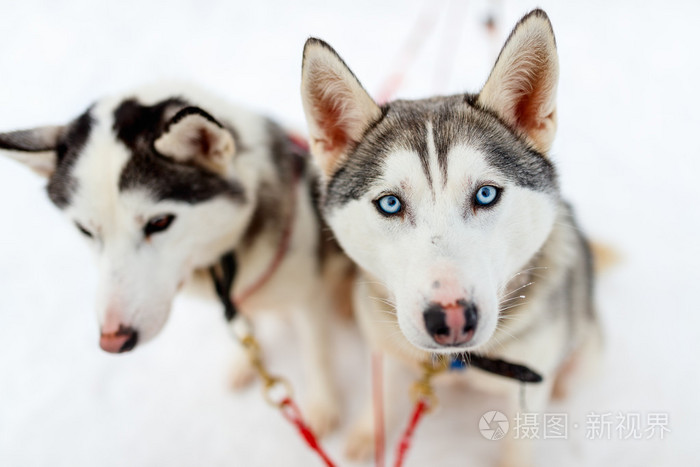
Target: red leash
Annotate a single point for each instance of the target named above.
(287, 406)
(420, 409)
(291, 412)
(285, 403)
(425, 401)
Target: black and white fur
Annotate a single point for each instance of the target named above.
(517, 272)
(163, 181)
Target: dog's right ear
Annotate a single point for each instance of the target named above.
(338, 110)
(35, 148)
(522, 86)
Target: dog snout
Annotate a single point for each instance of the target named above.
(123, 340)
(453, 324)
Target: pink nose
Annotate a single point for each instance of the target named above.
(451, 325)
(121, 341)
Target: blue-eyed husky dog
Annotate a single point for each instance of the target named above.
(451, 208)
(165, 180)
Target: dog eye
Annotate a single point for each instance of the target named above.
(487, 195)
(158, 224)
(388, 205)
(83, 230)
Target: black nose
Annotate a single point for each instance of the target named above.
(435, 323)
(451, 325)
(471, 316)
(130, 342)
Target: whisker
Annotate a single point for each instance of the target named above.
(371, 282)
(511, 306)
(510, 318)
(384, 300)
(508, 334)
(519, 297)
(519, 288)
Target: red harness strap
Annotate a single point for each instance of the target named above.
(276, 261)
(281, 249)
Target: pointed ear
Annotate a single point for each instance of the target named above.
(194, 136)
(338, 110)
(35, 148)
(522, 86)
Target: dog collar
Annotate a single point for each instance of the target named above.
(460, 362)
(223, 274)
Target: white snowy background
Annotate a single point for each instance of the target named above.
(628, 156)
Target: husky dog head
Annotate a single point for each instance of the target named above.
(445, 199)
(150, 183)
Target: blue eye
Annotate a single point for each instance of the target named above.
(389, 204)
(486, 195)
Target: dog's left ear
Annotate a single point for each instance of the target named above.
(194, 136)
(522, 86)
(36, 148)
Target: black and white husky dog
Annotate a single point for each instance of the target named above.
(452, 209)
(164, 181)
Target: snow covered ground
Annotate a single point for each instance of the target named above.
(628, 157)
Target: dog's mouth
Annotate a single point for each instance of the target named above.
(442, 345)
(448, 339)
(452, 349)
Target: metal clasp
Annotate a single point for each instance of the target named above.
(422, 389)
(275, 388)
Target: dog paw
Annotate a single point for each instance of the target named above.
(323, 417)
(360, 444)
(242, 374)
